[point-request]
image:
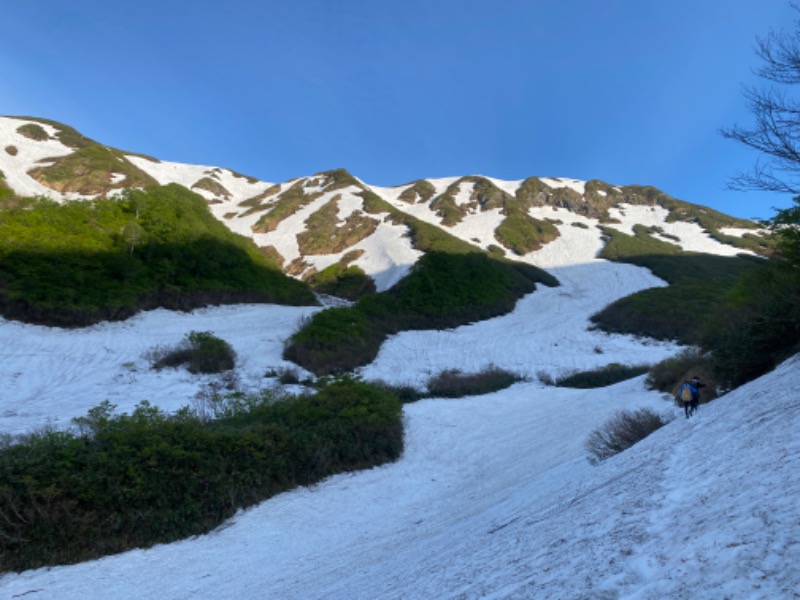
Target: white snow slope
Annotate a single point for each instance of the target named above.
(492, 498)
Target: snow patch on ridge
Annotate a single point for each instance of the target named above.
(559, 182)
(509, 187)
(691, 236)
(30, 155)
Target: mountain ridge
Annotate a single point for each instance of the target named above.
(313, 223)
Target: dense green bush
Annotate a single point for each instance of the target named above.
(127, 481)
(199, 351)
(452, 383)
(441, 291)
(621, 432)
(668, 375)
(679, 311)
(349, 282)
(757, 325)
(601, 377)
(82, 262)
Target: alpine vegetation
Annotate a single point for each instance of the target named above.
(199, 351)
(125, 481)
(621, 432)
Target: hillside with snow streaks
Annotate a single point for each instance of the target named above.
(473, 208)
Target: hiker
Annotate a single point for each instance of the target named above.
(689, 395)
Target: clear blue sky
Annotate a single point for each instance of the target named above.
(627, 91)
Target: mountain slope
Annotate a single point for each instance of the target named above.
(312, 223)
(494, 497)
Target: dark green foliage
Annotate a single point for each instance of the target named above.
(602, 377)
(199, 351)
(757, 325)
(82, 262)
(442, 290)
(668, 375)
(786, 227)
(405, 393)
(621, 432)
(455, 384)
(136, 480)
(335, 340)
(344, 281)
(742, 311)
(678, 312)
(626, 248)
(6, 193)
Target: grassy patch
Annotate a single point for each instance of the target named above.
(597, 378)
(627, 248)
(65, 134)
(288, 203)
(12, 150)
(91, 170)
(131, 481)
(521, 233)
(209, 184)
(452, 383)
(33, 131)
(325, 234)
(418, 193)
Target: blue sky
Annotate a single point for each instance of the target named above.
(627, 91)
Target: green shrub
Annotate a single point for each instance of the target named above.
(621, 432)
(349, 282)
(405, 393)
(668, 375)
(681, 310)
(199, 351)
(602, 377)
(452, 383)
(130, 481)
(757, 325)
